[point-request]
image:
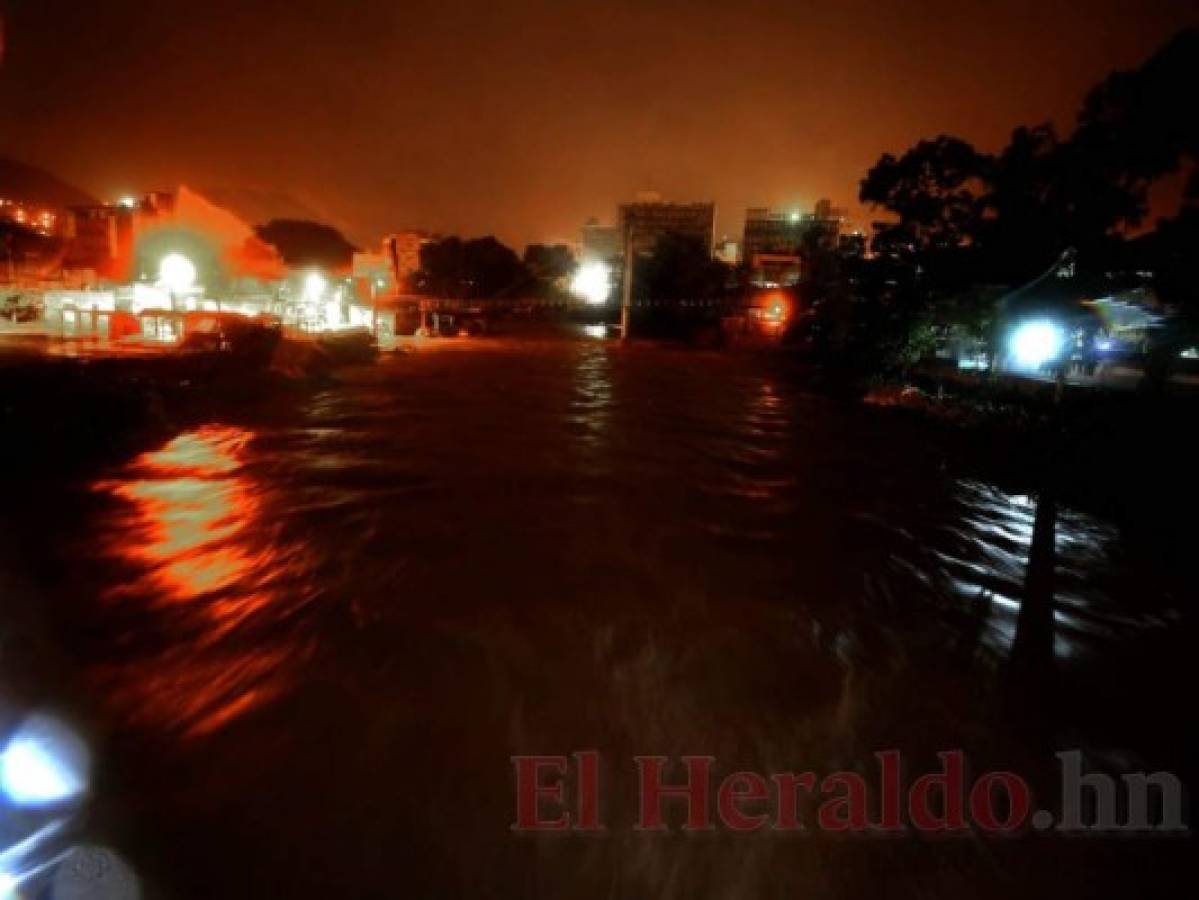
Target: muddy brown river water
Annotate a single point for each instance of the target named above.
(307, 638)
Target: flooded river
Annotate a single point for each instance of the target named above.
(305, 639)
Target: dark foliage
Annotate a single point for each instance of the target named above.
(549, 261)
(1010, 215)
(479, 268)
(962, 221)
(680, 268)
(304, 243)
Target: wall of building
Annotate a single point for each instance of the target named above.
(651, 220)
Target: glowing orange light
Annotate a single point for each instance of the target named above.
(209, 572)
(775, 311)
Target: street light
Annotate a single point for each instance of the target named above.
(176, 273)
(315, 285)
(592, 283)
(1033, 344)
(43, 763)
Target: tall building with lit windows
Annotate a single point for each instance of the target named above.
(651, 218)
(775, 240)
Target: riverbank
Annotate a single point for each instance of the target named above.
(60, 413)
(1124, 455)
(74, 403)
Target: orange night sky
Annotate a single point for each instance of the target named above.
(523, 118)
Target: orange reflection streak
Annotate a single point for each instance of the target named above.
(190, 509)
(193, 535)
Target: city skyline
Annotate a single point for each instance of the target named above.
(526, 121)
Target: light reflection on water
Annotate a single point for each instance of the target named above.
(531, 549)
(731, 476)
(975, 554)
(591, 405)
(192, 536)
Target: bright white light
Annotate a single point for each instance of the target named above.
(592, 283)
(794, 217)
(176, 273)
(315, 285)
(44, 762)
(23, 849)
(8, 886)
(147, 296)
(1035, 343)
(128, 202)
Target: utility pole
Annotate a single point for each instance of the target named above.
(626, 283)
(375, 307)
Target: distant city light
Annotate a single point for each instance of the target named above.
(128, 202)
(333, 317)
(44, 762)
(795, 217)
(592, 283)
(176, 273)
(1035, 343)
(315, 285)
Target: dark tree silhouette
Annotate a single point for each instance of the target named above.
(1010, 215)
(962, 222)
(1019, 234)
(549, 261)
(937, 193)
(304, 243)
(680, 268)
(480, 268)
(1141, 124)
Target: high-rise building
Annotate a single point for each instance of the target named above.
(650, 219)
(599, 243)
(826, 212)
(775, 240)
(774, 232)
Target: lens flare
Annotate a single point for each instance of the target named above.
(87, 872)
(44, 762)
(176, 272)
(1035, 343)
(592, 283)
(315, 285)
